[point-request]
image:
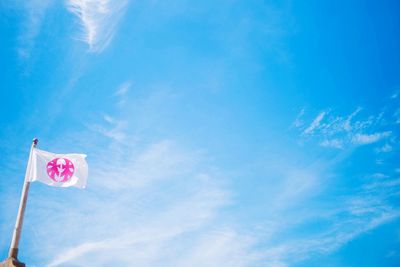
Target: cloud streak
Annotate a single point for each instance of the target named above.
(34, 13)
(154, 220)
(364, 139)
(340, 132)
(315, 124)
(99, 20)
(348, 218)
(114, 128)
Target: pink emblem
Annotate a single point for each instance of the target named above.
(60, 170)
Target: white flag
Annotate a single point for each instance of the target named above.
(62, 170)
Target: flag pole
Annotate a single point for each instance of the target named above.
(22, 205)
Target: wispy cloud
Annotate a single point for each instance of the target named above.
(363, 139)
(347, 123)
(316, 122)
(397, 116)
(156, 203)
(34, 14)
(335, 143)
(350, 217)
(159, 203)
(99, 19)
(123, 89)
(171, 218)
(298, 121)
(111, 128)
(333, 131)
(190, 201)
(385, 148)
(122, 92)
(366, 206)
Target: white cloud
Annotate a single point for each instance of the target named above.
(156, 163)
(384, 184)
(315, 123)
(298, 121)
(99, 19)
(121, 93)
(225, 248)
(123, 89)
(349, 218)
(110, 119)
(298, 184)
(165, 176)
(173, 218)
(345, 132)
(161, 206)
(397, 116)
(363, 139)
(335, 143)
(114, 130)
(178, 220)
(347, 124)
(33, 19)
(385, 149)
(378, 175)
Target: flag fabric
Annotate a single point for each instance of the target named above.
(61, 170)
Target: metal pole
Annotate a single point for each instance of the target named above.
(22, 205)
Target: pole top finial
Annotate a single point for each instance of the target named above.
(35, 141)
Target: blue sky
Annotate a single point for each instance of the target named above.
(218, 133)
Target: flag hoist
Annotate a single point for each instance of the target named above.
(61, 170)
